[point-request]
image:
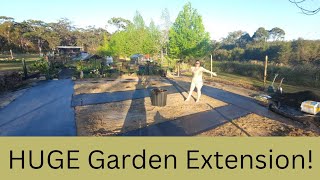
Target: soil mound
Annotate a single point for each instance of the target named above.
(295, 99)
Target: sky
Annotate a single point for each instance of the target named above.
(219, 16)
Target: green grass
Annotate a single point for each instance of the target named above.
(248, 81)
(6, 64)
(305, 75)
(19, 57)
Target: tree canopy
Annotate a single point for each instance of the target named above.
(187, 36)
(35, 36)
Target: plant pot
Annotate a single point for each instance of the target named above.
(159, 97)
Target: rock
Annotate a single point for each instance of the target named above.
(42, 78)
(74, 78)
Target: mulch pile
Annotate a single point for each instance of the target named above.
(290, 106)
(295, 99)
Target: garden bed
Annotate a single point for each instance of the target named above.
(123, 83)
(119, 117)
(255, 125)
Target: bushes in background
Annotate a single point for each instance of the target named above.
(10, 81)
(302, 75)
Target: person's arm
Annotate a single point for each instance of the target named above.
(207, 71)
(188, 70)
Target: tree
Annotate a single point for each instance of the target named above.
(64, 28)
(37, 33)
(232, 38)
(305, 51)
(138, 21)
(90, 37)
(279, 52)
(119, 23)
(152, 43)
(237, 53)
(104, 49)
(8, 31)
(188, 38)
(244, 40)
(261, 35)
(137, 38)
(276, 34)
(166, 25)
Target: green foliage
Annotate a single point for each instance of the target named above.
(93, 69)
(49, 70)
(34, 36)
(261, 35)
(188, 38)
(282, 52)
(302, 75)
(10, 81)
(136, 38)
(41, 66)
(120, 23)
(104, 49)
(276, 34)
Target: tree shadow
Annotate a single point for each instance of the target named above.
(160, 127)
(132, 122)
(178, 88)
(230, 120)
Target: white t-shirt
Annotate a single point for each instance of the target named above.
(197, 73)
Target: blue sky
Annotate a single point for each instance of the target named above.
(219, 16)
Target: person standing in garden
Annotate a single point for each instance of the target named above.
(197, 81)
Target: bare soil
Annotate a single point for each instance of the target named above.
(124, 83)
(120, 117)
(255, 125)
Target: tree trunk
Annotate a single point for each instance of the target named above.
(11, 54)
(178, 69)
(39, 46)
(161, 58)
(40, 51)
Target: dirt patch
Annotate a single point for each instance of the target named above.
(255, 125)
(120, 84)
(120, 117)
(216, 84)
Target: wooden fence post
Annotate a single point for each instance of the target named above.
(211, 64)
(265, 72)
(24, 66)
(179, 68)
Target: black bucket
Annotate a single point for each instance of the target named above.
(159, 97)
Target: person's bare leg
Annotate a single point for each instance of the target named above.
(192, 86)
(199, 86)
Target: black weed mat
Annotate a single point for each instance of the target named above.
(295, 99)
(288, 105)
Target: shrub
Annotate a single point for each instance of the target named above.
(40, 66)
(10, 81)
(302, 75)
